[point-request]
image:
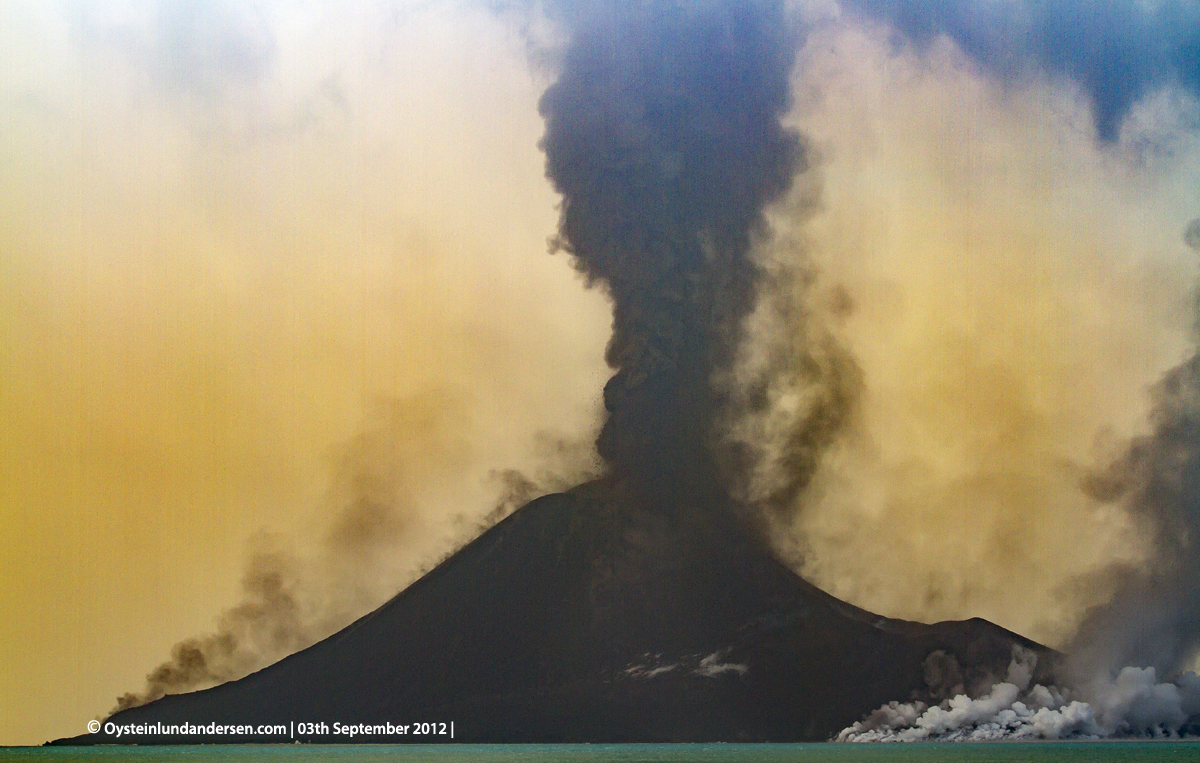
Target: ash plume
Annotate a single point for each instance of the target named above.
(663, 136)
(268, 624)
(1154, 618)
(1118, 52)
(1015, 288)
(562, 464)
(1191, 234)
(373, 544)
(794, 387)
(291, 600)
(1128, 658)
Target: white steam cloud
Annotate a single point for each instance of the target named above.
(1133, 704)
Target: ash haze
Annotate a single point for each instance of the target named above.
(1014, 288)
(272, 268)
(275, 287)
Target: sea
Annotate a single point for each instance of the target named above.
(990, 752)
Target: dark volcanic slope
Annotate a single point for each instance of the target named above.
(573, 621)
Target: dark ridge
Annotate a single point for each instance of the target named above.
(582, 618)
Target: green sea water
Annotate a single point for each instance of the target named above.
(998, 752)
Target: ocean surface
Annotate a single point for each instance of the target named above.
(996, 752)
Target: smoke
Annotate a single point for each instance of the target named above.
(987, 501)
(1008, 290)
(1120, 55)
(1116, 52)
(561, 463)
(292, 600)
(1133, 704)
(271, 622)
(377, 542)
(1191, 235)
(236, 222)
(209, 279)
(794, 387)
(663, 137)
(1154, 618)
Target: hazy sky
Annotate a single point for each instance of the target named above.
(230, 231)
(1018, 286)
(232, 234)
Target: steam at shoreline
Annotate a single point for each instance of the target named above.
(1136, 604)
(1131, 704)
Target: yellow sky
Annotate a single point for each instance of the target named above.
(1017, 288)
(206, 286)
(229, 232)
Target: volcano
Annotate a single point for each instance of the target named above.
(581, 618)
(644, 606)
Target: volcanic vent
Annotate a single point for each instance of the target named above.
(644, 606)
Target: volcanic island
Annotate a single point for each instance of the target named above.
(645, 605)
(577, 619)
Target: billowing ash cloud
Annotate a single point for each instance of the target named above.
(1150, 630)
(663, 136)
(664, 139)
(270, 622)
(1117, 51)
(793, 387)
(292, 600)
(1154, 619)
(1191, 235)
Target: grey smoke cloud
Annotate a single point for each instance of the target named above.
(200, 304)
(620, 139)
(1154, 618)
(372, 547)
(663, 136)
(1007, 289)
(1191, 234)
(292, 600)
(794, 386)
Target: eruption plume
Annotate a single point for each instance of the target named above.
(667, 137)
(291, 601)
(1191, 236)
(1154, 619)
(663, 136)
(1136, 65)
(1128, 655)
